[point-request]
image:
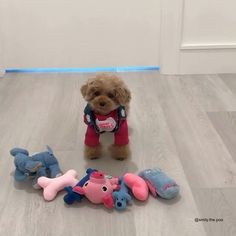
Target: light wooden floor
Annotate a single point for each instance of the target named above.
(185, 125)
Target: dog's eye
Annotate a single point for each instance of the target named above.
(110, 95)
(96, 93)
(86, 184)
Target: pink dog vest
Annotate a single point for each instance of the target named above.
(115, 122)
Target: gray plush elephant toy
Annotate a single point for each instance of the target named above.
(35, 166)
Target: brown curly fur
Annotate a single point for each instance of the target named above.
(92, 152)
(119, 152)
(110, 90)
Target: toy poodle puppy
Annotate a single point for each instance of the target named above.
(107, 103)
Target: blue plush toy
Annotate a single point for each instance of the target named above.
(121, 197)
(71, 196)
(35, 166)
(159, 183)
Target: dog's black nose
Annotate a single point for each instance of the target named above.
(102, 104)
(119, 204)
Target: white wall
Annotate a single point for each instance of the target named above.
(182, 36)
(79, 33)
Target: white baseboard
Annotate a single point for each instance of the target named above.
(207, 46)
(2, 72)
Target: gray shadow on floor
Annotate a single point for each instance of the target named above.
(86, 203)
(159, 199)
(26, 186)
(170, 201)
(109, 165)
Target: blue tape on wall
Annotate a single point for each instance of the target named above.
(83, 70)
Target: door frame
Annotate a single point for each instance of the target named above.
(170, 35)
(2, 66)
(177, 57)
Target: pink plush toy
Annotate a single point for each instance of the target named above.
(52, 186)
(99, 189)
(137, 185)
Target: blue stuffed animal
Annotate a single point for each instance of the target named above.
(71, 196)
(121, 197)
(35, 166)
(159, 183)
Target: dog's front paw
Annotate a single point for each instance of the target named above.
(92, 152)
(120, 152)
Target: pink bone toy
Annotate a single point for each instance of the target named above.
(98, 189)
(137, 185)
(52, 186)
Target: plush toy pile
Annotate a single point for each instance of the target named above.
(99, 188)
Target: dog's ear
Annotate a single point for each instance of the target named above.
(123, 95)
(84, 89)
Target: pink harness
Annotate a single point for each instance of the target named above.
(106, 123)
